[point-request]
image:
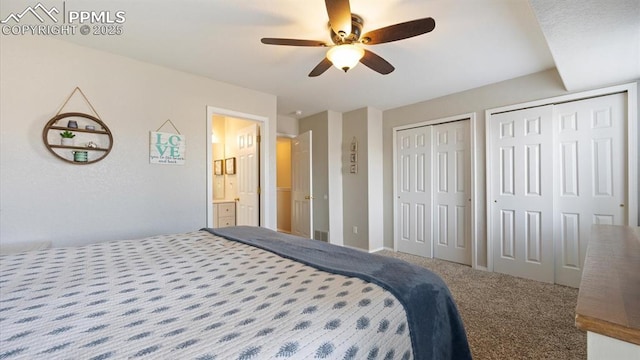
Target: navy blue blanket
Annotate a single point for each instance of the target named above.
(436, 328)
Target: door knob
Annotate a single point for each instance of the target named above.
(308, 197)
(237, 199)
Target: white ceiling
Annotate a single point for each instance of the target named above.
(475, 42)
(594, 42)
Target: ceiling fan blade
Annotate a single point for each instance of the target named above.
(399, 31)
(292, 42)
(339, 12)
(376, 63)
(320, 68)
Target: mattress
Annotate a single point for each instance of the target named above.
(194, 295)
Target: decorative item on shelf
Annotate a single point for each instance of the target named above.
(67, 138)
(81, 156)
(230, 166)
(82, 124)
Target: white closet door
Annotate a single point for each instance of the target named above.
(521, 181)
(413, 203)
(591, 179)
(452, 192)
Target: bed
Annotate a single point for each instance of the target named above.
(232, 293)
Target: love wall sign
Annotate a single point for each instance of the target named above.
(167, 148)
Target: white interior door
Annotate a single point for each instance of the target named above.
(452, 192)
(248, 174)
(521, 181)
(414, 201)
(301, 186)
(591, 179)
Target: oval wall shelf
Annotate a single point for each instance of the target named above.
(91, 136)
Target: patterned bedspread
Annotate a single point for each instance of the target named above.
(190, 296)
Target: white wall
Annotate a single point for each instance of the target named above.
(362, 191)
(334, 174)
(122, 196)
(287, 125)
(326, 142)
(355, 199)
(638, 137)
(375, 185)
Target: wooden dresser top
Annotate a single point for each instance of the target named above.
(609, 295)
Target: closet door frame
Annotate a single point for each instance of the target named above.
(474, 165)
(632, 149)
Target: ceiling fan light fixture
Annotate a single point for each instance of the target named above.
(345, 57)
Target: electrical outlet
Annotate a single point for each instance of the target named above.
(355, 229)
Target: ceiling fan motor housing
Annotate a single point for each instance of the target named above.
(356, 31)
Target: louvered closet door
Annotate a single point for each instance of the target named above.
(452, 188)
(590, 173)
(521, 180)
(413, 203)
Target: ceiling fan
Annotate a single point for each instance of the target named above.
(346, 34)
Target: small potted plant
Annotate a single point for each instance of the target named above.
(67, 138)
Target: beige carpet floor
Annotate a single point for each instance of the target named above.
(508, 317)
